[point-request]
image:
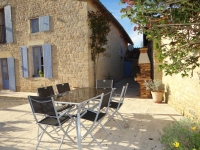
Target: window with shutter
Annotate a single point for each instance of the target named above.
(6, 31)
(40, 24)
(42, 61)
(38, 62)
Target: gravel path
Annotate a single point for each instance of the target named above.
(11, 103)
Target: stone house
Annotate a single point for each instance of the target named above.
(53, 36)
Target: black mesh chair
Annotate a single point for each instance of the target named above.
(61, 88)
(96, 114)
(48, 92)
(115, 105)
(104, 83)
(51, 118)
(45, 91)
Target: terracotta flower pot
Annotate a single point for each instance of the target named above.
(157, 96)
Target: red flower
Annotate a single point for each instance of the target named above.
(128, 8)
(130, 2)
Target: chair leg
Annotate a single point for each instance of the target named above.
(121, 116)
(89, 132)
(41, 135)
(112, 117)
(118, 124)
(55, 131)
(105, 130)
(47, 133)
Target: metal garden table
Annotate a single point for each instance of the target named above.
(79, 97)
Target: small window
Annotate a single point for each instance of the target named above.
(35, 25)
(38, 62)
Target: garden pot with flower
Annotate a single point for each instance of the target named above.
(157, 89)
(41, 74)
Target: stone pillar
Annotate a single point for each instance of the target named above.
(145, 73)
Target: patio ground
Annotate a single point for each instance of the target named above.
(145, 119)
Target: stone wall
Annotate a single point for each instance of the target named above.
(181, 93)
(69, 37)
(112, 57)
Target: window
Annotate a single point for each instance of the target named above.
(34, 25)
(38, 62)
(42, 60)
(2, 27)
(40, 24)
(6, 32)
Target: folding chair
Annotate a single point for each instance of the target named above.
(48, 92)
(45, 91)
(51, 118)
(96, 115)
(115, 105)
(61, 88)
(104, 83)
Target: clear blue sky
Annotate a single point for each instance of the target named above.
(114, 7)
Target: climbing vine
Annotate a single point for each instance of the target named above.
(176, 20)
(100, 27)
(99, 24)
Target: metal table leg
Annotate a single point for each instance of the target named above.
(78, 129)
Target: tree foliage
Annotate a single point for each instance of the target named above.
(177, 20)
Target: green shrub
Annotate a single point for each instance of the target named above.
(181, 135)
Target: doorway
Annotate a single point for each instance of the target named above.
(4, 71)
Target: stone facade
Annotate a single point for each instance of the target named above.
(69, 39)
(183, 94)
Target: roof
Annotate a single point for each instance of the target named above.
(103, 9)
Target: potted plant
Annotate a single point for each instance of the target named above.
(41, 74)
(157, 89)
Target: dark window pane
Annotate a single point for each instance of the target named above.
(34, 25)
(37, 60)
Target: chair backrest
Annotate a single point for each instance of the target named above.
(106, 99)
(104, 83)
(61, 88)
(123, 93)
(45, 91)
(126, 87)
(42, 105)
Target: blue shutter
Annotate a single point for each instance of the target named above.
(8, 24)
(44, 23)
(47, 61)
(24, 58)
(11, 74)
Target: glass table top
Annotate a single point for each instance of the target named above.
(81, 94)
